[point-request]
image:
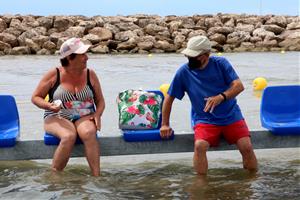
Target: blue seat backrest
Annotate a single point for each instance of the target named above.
(8, 111)
(281, 103)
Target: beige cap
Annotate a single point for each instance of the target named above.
(196, 46)
(73, 45)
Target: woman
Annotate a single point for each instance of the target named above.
(75, 105)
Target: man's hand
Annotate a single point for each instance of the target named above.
(212, 102)
(165, 131)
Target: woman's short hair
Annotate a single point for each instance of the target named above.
(65, 62)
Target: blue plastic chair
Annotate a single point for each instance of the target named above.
(9, 121)
(50, 139)
(145, 135)
(280, 109)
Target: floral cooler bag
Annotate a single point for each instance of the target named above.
(139, 110)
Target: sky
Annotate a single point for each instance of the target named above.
(157, 7)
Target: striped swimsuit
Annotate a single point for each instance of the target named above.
(74, 106)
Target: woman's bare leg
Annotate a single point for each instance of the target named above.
(65, 130)
(87, 132)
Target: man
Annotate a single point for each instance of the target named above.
(212, 85)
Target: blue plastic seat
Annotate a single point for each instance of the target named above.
(9, 121)
(146, 135)
(280, 109)
(50, 139)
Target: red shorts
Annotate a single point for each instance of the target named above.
(212, 133)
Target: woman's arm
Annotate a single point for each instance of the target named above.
(42, 89)
(99, 99)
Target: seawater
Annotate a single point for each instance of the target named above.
(165, 176)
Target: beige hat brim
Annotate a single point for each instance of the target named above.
(191, 53)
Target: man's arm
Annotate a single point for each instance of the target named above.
(236, 87)
(165, 130)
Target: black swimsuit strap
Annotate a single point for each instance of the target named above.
(89, 83)
(52, 90)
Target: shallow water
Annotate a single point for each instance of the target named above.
(157, 177)
(165, 176)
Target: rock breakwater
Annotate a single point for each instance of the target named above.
(43, 35)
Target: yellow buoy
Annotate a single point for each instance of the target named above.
(164, 88)
(259, 83)
(149, 55)
(282, 51)
(47, 97)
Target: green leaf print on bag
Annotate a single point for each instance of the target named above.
(139, 109)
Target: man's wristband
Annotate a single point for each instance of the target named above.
(224, 96)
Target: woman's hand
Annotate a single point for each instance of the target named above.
(96, 118)
(54, 107)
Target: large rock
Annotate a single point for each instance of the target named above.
(9, 39)
(248, 20)
(40, 40)
(46, 22)
(164, 45)
(127, 26)
(245, 27)
(34, 48)
(99, 21)
(179, 40)
(102, 33)
(17, 24)
(291, 41)
(30, 21)
(219, 38)
(87, 25)
(152, 29)
(125, 35)
(74, 31)
(273, 28)
(277, 20)
(146, 45)
(213, 22)
(4, 46)
(293, 25)
(13, 31)
(3, 25)
(238, 37)
(128, 45)
(94, 39)
(27, 35)
(50, 46)
(101, 49)
(112, 28)
(175, 25)
(261, 32)
(22, 50)
(222, 30)
(62, 23)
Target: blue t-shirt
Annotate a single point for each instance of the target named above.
(215, 78)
